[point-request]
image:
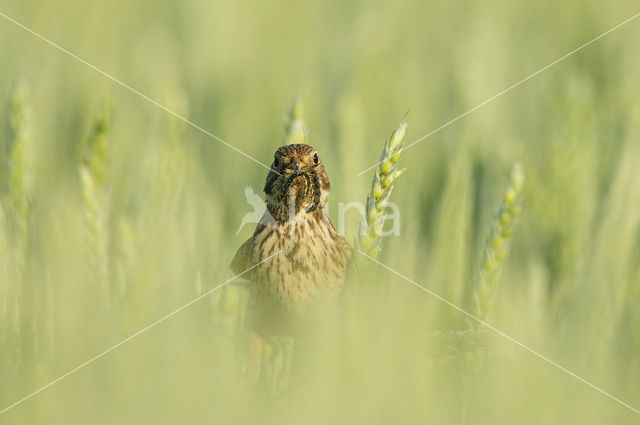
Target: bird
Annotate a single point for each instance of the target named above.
(309, 257)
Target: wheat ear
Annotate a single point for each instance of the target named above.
(386, 174)
(295, 129)
(93, 177)
(497, 245)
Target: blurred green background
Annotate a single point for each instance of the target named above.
(115, 213)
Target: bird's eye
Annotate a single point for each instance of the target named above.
(315, 159)
(276, 162)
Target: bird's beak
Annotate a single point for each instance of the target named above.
(295, 165)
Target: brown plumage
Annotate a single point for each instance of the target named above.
(313, 257)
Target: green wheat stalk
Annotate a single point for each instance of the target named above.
(17, 208)
(386, 174)
(4, 271)
(124, 254)
(457, 342)
(18, 163)
(496, 247)
(472, 342)
(295, 128)
(93, 177)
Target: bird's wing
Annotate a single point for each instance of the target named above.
(346, 248)
(241, 261)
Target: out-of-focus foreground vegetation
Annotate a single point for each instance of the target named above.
(114, 213)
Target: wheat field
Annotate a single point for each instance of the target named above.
(510, 293)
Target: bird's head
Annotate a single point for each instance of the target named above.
(296, 182)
